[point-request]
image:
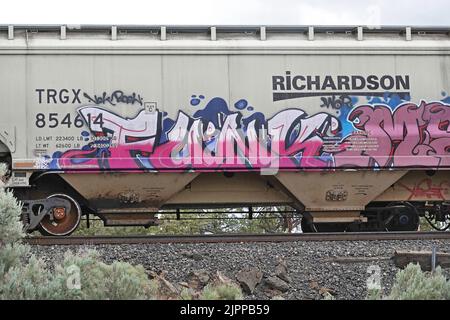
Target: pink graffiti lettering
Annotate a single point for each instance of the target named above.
(290, 139)
(412, 135)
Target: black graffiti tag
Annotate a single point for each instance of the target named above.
(114, 98)
(336, 102)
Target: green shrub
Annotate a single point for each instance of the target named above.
(413, 284)
(80, 276)
(11, 228)
(29, 281)
(97, 280)
(225, 291)
(11, 233)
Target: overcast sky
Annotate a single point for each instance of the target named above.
(221, 12)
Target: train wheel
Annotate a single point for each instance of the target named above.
(60, 222)
(404, 217)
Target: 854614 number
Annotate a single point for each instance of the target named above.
(54, 120)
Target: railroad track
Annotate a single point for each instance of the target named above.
(236, 238)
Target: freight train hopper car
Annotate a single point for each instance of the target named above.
(349, 126)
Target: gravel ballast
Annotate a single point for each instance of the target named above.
(291, 270)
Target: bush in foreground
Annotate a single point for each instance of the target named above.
(224, 291)
(11, 234)
(80, 276)
(414, 284)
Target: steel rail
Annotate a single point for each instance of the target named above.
(237, 238)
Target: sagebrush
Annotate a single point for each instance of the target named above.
(414, 284)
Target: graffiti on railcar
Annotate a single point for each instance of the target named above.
(336, 102)
(411, 135)
(426, 188)
(117, 96)
(214, 136)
